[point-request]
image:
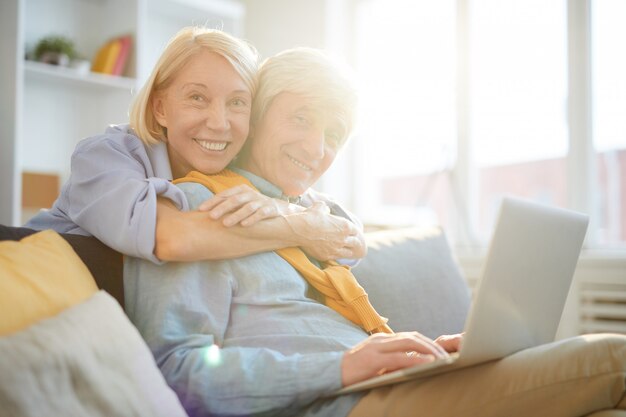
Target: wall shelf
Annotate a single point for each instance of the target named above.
(39, 71)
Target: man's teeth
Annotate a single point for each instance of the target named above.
(212, 146)
(299, 164)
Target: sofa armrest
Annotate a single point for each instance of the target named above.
(413, 280)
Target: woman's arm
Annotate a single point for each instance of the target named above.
(194, 235)
(116, 194)
(314, 230)
(112, 193)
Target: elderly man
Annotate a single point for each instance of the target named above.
(276, 333)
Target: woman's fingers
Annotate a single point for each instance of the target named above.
(253, 212)
(245, 212)
(234, 203)
(241, 205)
(220, 197)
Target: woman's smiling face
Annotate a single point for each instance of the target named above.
(206, 110)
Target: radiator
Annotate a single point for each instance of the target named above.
(602, 307)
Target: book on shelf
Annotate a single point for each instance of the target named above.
(112, 56)
(122, 57)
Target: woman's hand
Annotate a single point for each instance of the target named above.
(382, 353)
(326, 237)
(245, 206)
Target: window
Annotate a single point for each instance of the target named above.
(466, 101)
(517, 96)
(407, 137)
(608, 69)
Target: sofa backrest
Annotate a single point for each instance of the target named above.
(413, 280)
(409, 274)
(104, 263)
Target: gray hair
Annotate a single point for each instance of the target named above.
(310, 73)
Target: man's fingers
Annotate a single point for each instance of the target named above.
(451, 343)
(401, 360)
(430, 342)
(411, 342)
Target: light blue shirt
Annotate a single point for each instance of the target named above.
(112, 192)
(243, 336)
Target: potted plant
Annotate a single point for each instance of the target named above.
(55, 50)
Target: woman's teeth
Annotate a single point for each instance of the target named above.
(299, 164)
(212, 146)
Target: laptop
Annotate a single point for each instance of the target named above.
(521, 294)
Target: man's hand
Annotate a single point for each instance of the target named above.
(450, 342)
(245, 206)
(382, 353)
(326, 237)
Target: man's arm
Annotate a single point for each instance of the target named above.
(183, 316)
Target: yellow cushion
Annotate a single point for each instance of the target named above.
(40, 276)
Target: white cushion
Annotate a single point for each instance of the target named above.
(88, 360)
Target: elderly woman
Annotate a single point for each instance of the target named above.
(193, 113)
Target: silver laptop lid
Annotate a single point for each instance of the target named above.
(525, 279)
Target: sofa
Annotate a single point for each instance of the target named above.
(67, 348)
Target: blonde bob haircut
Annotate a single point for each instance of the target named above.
(312, 74)
(184, 45)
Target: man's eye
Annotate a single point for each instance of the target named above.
(301, 119)
(196, 97)
(238, 102)
(333, 138)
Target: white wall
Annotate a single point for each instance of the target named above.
(10, 55)
(274, 25)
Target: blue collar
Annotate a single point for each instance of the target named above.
(264, 186)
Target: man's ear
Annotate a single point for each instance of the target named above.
(158, 109)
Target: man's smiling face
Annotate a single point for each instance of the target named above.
(293, 144)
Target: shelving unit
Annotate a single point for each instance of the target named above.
(47, 109)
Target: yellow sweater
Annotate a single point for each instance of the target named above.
(340, 288)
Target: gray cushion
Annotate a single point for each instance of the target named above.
(412, 279)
